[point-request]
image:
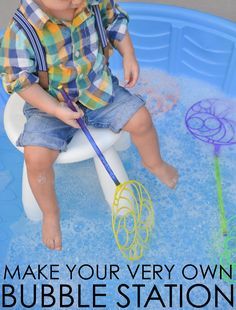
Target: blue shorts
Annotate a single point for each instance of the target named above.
(42, 129)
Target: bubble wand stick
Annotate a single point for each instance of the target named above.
(223, 220)
(132, 210)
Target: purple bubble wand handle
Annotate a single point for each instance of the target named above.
(90, 138)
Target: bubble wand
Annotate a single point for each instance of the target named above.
(132, 209)
(210, 120)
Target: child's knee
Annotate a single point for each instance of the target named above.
(36, 161)
(140, 122)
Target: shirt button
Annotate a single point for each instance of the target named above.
(77, 54)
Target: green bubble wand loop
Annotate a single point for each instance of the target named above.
(132, 209)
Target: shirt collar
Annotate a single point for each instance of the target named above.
(35, 15)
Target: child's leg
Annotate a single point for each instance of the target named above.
(39, 163)
(144, 136)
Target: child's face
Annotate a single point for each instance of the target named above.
(59, 5)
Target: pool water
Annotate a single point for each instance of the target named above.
(187, 229)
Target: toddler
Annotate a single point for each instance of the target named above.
(76, 61)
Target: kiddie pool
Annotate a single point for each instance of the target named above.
(181, 42)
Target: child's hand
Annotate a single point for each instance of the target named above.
(131, 70)
(67, 116)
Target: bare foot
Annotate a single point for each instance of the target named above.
(165, 173)
(51, 231)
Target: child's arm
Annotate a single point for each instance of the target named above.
(130, 64)
(17, 69)
(115, 21)
(40, 99)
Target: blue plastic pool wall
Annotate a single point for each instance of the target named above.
(183, 41)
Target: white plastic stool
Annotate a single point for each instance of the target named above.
(78, 149)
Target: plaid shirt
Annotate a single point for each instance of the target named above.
(73, 50)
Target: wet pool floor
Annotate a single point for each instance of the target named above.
(187, 229)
